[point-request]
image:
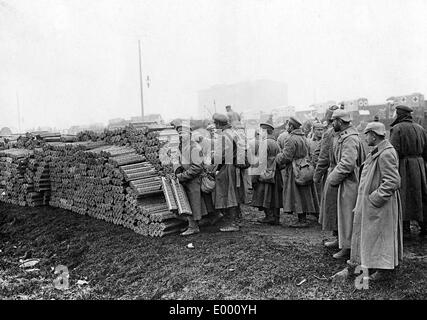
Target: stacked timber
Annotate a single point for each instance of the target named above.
(105, 181)
(112, 183)
(143, 139)
(48, 136)
(17, 179)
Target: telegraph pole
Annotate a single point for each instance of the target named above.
(140, 80)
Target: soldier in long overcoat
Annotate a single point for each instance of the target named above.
(297, 199)
(377, 241)
(226, 194)
(348, 154)
(267, 194)
(409, 140)
(188, 173)
(325, 164)
(314, 142)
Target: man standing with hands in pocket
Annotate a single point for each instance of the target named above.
(348, 154)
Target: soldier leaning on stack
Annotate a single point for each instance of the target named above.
(188, 173)
(409, 140)
(296, 199)
(348, 154)
(266, 184)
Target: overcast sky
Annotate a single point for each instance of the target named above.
(76, 62)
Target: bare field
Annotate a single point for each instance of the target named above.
(259, 262)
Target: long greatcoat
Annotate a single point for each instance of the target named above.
(315, 145)
(377, 228)
(268, 195)
(296, 199)
(348, 155)
(240, 143)
(325, 164)
(409, 140)
(191, 167)
(226, 194)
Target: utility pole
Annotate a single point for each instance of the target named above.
(19, 112)
(140, 80)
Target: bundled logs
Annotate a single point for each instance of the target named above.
(115, 175)
(112, 183)
(180, 197)
(145, 140)
(17, 179)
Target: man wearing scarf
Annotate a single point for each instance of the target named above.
(409, 139)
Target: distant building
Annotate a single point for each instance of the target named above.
(250, 96)
(415, 100)
(355, 105)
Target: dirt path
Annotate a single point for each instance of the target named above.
(260, 262)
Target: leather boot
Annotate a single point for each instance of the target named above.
(193, 227)
(268, 217)
(343, 253)
(230, 223)
(332, 243)
(352, 264)
(215, 217)
(379, 275)
(276, 216)
(301, 223)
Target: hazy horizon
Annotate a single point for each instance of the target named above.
(76, 62)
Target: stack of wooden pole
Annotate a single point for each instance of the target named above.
(107, 181)
(142, 138)
(17, 178)
(112, 183)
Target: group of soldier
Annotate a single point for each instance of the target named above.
(362, 186)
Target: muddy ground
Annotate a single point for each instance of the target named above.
(259, 262)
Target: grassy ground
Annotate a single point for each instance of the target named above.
(260, 262)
